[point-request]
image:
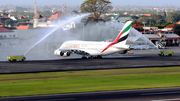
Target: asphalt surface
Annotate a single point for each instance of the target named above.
(140, 59)
(159, 94)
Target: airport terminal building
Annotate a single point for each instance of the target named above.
(165, 36)
(7, 37)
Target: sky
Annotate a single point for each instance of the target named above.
(175, 3)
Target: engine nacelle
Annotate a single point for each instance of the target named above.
(65, 54)
(61, 53)
(125, 51)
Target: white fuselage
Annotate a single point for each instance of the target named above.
(92, 48)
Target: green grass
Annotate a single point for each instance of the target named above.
(87, 81)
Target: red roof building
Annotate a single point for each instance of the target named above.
(148, 15)
(55, 16)
(171, 26)
(2, 29)
(178, 22)
(136, 26)
(171, 11)
(172, 36)
(24, 27)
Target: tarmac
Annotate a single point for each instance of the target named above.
(140, 59)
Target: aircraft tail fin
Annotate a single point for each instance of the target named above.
(123, 35)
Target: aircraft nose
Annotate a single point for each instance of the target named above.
(55, 52)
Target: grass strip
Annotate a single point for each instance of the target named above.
(87, 81)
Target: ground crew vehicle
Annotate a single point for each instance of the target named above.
(165, 53)
(16, 58)
(129, 52)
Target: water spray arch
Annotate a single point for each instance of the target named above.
(59, 26)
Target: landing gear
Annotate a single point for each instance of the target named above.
(92, 57)
(84, 57)
(99, 57)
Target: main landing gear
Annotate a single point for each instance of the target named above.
(92, 57)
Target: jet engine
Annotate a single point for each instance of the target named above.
(65, 54)
(61, 53)
(125, 51)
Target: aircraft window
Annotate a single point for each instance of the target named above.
(14, 36)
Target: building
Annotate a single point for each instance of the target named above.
(7, 37)
(55, 16)
(15, 17)
(137, 26)
(167, 38)
(170, 27)
(147, 15)
(24, 25)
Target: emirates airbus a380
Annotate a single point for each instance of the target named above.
(93, 49)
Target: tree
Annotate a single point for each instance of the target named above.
(173, 17)
(134, 17)
(9, 21)
(177, 29)
(97, 7)
(156, 17)
(162, 24)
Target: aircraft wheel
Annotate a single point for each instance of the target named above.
(91, 57)
(99, 57)
(84, 57)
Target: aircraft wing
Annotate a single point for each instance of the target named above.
(76, 51)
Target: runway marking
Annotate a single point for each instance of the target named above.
(177, 99)
(59, 99)
(161, 93)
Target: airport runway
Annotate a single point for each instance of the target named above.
(159, 94)
(140, 59)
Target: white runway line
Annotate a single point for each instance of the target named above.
(177, 99)
(161, 93)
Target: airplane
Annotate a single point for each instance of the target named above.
(94, 49)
